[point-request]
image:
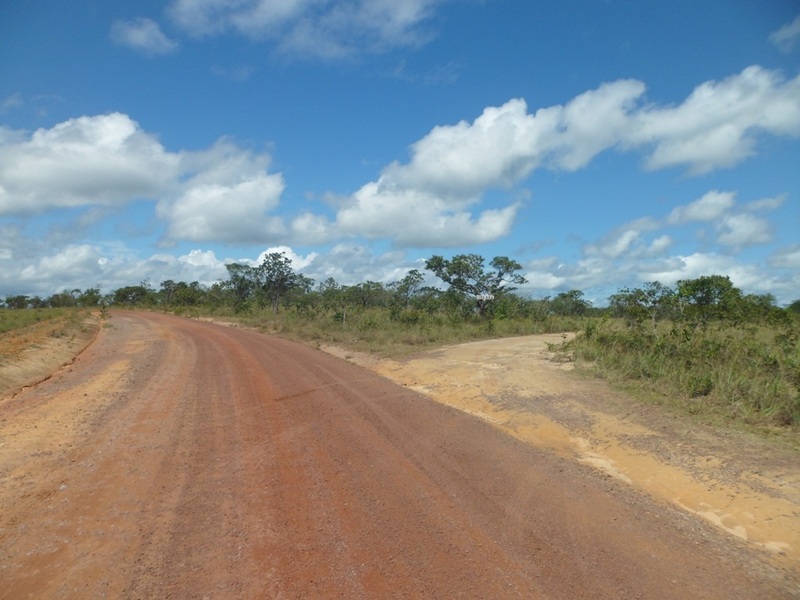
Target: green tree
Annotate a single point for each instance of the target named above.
(466, 274)
(189, 294)
(276, 277)
(570, 304)
(367, 294)
(242, 282)
(654, 300)
(63, 299)
(167, 292)
(90, 297)
(709, 297)
(132, 295)
(405, 289)
(16, 302)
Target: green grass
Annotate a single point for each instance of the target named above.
(11, 319)
(21, 329)
(748, 374)
(382, 332)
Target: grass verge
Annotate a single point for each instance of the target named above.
(748, 374)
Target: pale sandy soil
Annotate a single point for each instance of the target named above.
(747, 487)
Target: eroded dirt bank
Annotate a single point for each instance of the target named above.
(183, 459)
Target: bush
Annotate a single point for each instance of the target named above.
(749, 373)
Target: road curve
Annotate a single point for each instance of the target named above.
(183, 459)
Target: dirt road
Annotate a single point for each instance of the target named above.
(180, 459)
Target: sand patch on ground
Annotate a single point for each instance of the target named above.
(746, 486)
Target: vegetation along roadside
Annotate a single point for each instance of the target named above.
(702, 346)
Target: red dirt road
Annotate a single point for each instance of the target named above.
(181, 459)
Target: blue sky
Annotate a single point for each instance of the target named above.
(600, 143)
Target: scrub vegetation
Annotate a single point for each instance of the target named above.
(703, 346)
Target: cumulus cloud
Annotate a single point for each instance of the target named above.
(104, 159)
(766, 204)
(352, 263)
(226, 195)
(451, 168)
(223, 193)
(505, 143)
(66, 268)
(710, 207)
(142, 35)
(788, 258)
(109, 266)
(743, 230)
(416, 218)
(660, 245)
(625, 240)
(600, 276)
(427, 201)
(315, 28)
(751, 277)
(436, 198)
(718, 124)
(232, 213)
(715, 127)
(299, 262)
(787, 36)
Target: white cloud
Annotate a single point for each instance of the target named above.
(624, 240)
(311, 229)
(142, 35)
(226, 195)
(316, 28)
(506, 143)
(710, 207)
(350, 263)
(223, 193)
(692, 266)
(717, 125)
(766, 204)
(235, 213)
(614, 245)
(594, 122)
(736, 229)
(743, 230)
(787, 258)
(199, 258)
(417, 218)
(460, 161)
(749, 277)
(451, 168)
(58, 270)
(787, 36)
(104, 159)
(298, 261)
(660, 245)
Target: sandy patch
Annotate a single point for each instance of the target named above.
(738, 483)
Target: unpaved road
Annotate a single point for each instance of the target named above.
(181, 459)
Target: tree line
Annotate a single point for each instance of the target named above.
(471, 289)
